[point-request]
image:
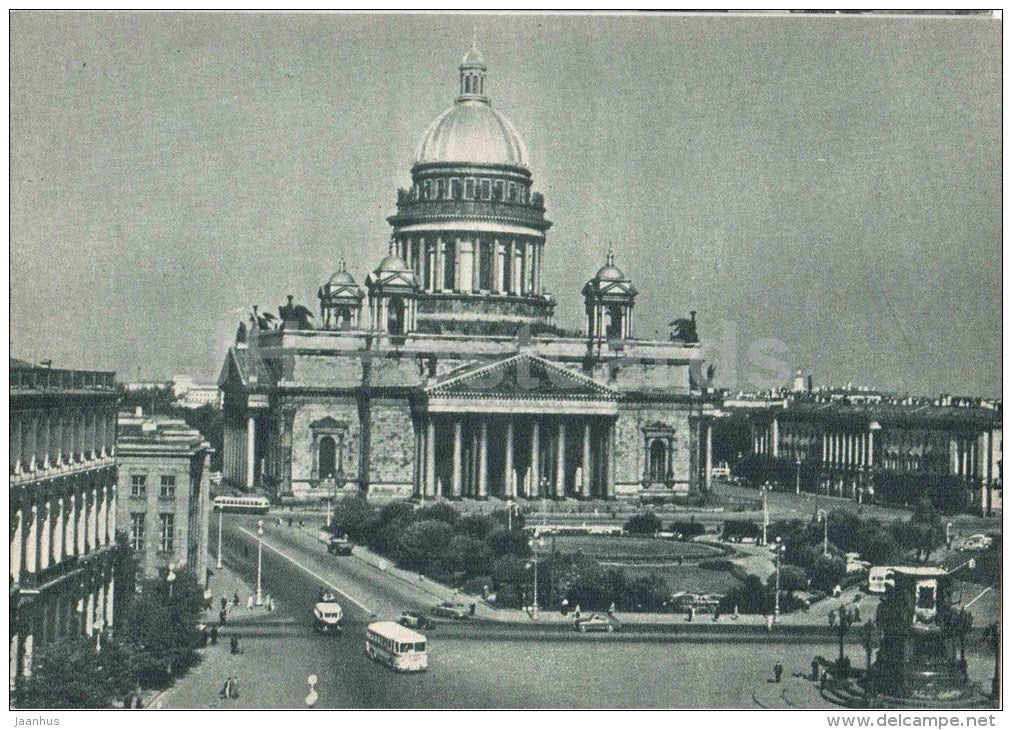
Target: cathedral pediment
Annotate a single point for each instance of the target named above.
(521, 376)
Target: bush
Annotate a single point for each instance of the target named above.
(467, 555)
(740, 529)
(792, 578)
(646, 593)
(475, 525)
(827, 572)
(354, 517)
(646, 523)
(503, 542)
(440, 511)
(688, 529)
(422, 545)
(68, 674)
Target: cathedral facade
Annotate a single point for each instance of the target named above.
(446, 376)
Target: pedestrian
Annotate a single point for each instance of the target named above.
(226, 689)
(815, 670)
(249, 603)
(688, 614)
(832, 619)
(224, 602)
(214, 635)
(778, 671)
(857, 614)
(716, 614)
(269, 604)
(611, 610)
(577, 613)
(235, 599)
(769, 624)
(564, 606)
(472, 608)
(735, 617)
(289, 521)
(221, 617)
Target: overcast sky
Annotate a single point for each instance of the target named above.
(830, 183)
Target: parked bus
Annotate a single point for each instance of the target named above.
(879, 577)
(400, 648)
(249, 505)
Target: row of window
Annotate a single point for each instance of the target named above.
(166, 486)
(470, 188)
(166, 531)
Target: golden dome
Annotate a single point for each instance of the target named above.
(471, 131)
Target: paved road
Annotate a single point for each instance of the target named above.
(472, 671)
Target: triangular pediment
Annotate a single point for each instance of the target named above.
(520, 376)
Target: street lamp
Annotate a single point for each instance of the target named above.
(822, 516)
(763, 490)
(170, 577)
(535, 544)
(797, 475)
(776, 601)
(329, 497)
(312, 697)
(221, 514)
(511, 505)
(260, 557)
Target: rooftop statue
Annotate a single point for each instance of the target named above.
(684, 330)
(295, 316)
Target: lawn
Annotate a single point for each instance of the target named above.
(633, 549)
(688, 578)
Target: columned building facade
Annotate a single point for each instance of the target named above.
(448, 378)
(62, 506)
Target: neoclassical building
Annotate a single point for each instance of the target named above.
(445, 375)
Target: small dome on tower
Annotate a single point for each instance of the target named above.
(341, 276)
(392, 262)
(610, 272)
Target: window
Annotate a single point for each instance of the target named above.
(167, 490)
(441, 186)
(455, 189)
(658, 461)
(137, 531)
(500, 190)
(428, 189)
(486, 189)
(328, 457)
(138, 485)
(166, 530)
(469, 188)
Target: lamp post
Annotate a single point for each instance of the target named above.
(221, 514)
(511, 505)
(797, 475)
(763, 490)
(776, 599)
(98, 626)
(170, 577)
(823, 517)
(312, 697)
(260, 557)
(535, 544)
(329, 497)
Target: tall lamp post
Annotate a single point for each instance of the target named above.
(763, 490)
(329, 497)
(776, 600)
(98, 626)
(221, 514)
(823, 517)
(260, 557)
(535, 544)
(170, 577)
(797, 475)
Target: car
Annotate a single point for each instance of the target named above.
(448, 609)
(340, 546)
(328, 618)
(594, 622)
(326, 596)
(415, 620)
(976, 542)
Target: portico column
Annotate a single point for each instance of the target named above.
(92, 521)
(456, 484)
(82, 514)
(560, 462)
(109, 590)
(535, 459)
(250, 449)
(586, 460)
(775, 437)
(102, 516)
(508, 483)
(430, 458)
(69, 541)
(32, 541)
(16, 542)
(58, 532)
(610, 485)
(483, 461)
(45, 536)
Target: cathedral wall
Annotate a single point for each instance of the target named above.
(631, 446)
(328, 370)
(391, 448)
(645, 375)
(309, 410)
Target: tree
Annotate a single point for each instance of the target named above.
(161, 631)
(422, 545)
(646, 593)
(503, 542)
(467, 555)
(475, 525)
(827, 572)
(926, 529)
(792, 578)
(645, 523)
(352, 515)
(70, 674)
(439, 511)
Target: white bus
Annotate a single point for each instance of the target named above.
(397, 646)
(250, 505)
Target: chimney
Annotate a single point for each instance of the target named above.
(138, 411)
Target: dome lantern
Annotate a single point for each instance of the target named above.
(340, 301)
(472, 74)
(609, 299)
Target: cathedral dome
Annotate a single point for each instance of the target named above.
(610, 273)
(341, 277)
(471, 131)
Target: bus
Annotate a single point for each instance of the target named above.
(249, 505)
(400, 648)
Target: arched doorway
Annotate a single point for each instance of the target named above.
(658, 462)
(328, 457)
(395, 321)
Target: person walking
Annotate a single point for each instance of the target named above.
(778, 672)
(577, 613)
(832, 619)
(815, 670)
(235, 599)
(224, 602)
(249, 603)
(735, 616)
(611, 610)
(769, 623)
(214, 635)
(564, 606)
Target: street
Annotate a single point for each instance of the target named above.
(468, 667)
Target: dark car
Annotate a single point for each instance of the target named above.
(447, 609)
(340, 546)
(415, 620)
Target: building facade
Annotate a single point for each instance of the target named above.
(447, 376)
(861, 447)
(62, 506)
(164, 480)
